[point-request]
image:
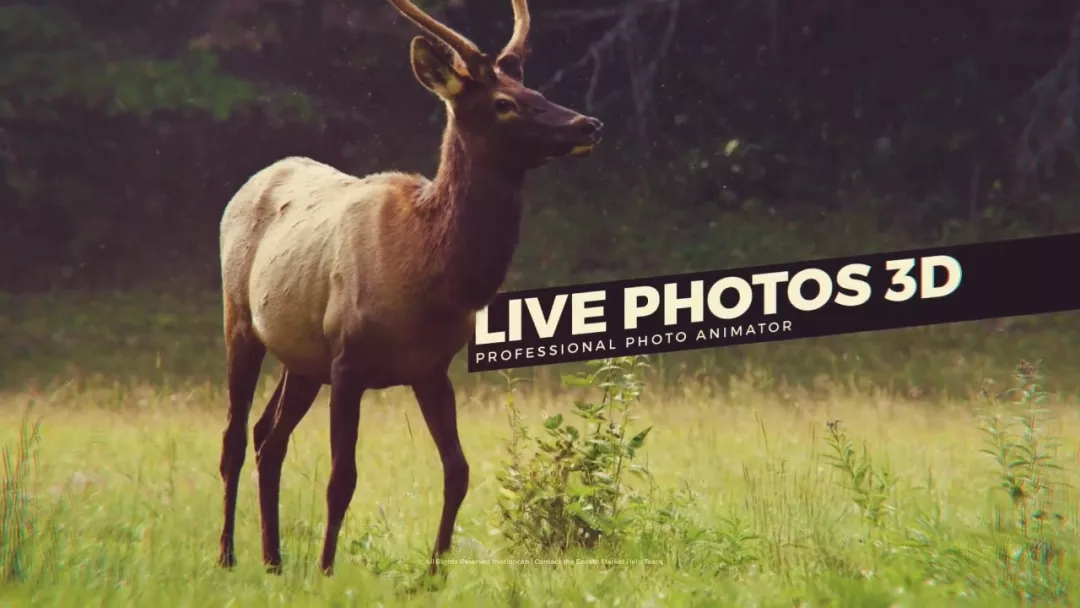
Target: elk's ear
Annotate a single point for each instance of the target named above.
(435, 69)
(513, 65)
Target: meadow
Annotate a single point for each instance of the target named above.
(863, 470)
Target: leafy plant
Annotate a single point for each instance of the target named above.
(572, 491)
(690, 544)
(369, 550)
(1025, 458)
(1016, 438)
(869, 486)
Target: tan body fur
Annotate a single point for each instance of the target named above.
(368, 283)
(308, 250)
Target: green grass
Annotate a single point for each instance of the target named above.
(125, 508)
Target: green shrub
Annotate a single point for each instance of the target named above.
(572, 490)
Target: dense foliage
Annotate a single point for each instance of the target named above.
(125, 126)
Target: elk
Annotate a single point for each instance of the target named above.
(369, 283)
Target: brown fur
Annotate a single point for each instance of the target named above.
(368, 283)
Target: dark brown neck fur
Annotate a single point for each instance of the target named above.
(475, 221)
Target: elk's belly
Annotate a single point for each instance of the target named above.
(291, 339)
(288, 299)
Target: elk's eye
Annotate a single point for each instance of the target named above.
(504, 106)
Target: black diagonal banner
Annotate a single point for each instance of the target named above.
(778, 302)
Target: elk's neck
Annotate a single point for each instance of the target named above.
(476, 221)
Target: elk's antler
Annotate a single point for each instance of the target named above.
(474, 58)
(517, 44)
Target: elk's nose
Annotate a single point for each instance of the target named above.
(590, 127)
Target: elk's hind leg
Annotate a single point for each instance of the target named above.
(346, 392)
(266, 420)
(272, 433)
(244, 354)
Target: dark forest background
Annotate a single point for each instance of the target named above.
(738, 132)
(125, 126)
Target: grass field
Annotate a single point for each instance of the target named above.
(120, 499)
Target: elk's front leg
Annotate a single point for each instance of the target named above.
(439, 407)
